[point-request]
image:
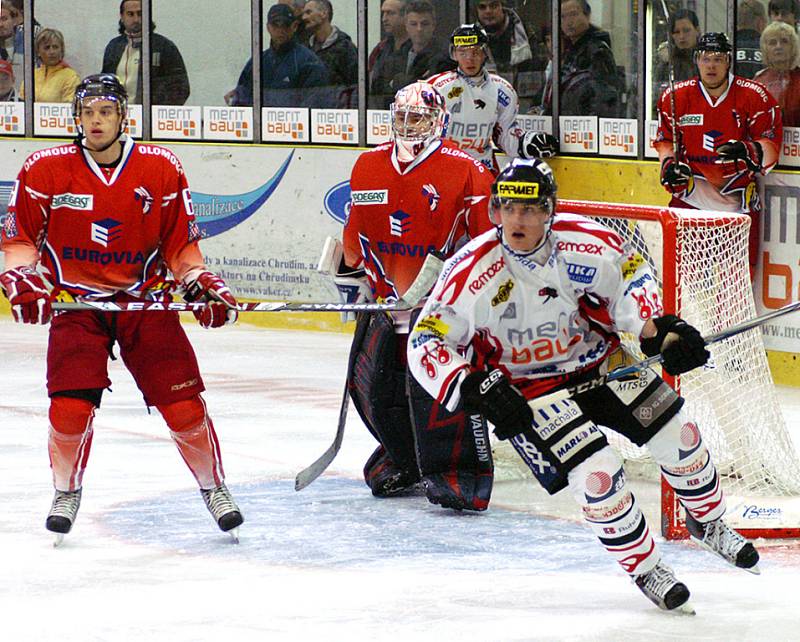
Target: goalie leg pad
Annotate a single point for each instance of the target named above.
(193, 433)
(70, 440)
(378, 391)
(560, 437)
(687, 466)
(453, 451)
(612, 512)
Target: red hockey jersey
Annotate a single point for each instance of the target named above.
(398, 215)
(746, 111)
(98, 231)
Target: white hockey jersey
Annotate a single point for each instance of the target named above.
(482, 110)
(541, 319)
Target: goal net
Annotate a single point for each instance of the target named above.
(700, 261)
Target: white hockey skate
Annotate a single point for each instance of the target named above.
(63, 513)
(721, 539)
(223, 509)
(663, 589)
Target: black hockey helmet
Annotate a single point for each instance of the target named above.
(469, 35)
(715, 41)
(528, 181)
(103, 87)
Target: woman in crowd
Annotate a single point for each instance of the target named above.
(684, 29)
(55, 81)
(780, 48)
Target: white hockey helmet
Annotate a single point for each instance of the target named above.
(419, 117)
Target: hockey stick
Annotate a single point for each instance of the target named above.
(421, 286)
(635, 368)
(676, 131)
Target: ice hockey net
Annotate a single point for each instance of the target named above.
(700, 261)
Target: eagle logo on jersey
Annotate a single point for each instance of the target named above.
(142, 195)
(430, 192)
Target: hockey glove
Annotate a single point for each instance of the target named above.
(351, 283)
(538, 145)
(748, 151)
(675, 176)
(27, 294)
(492, 395)
(220, 303)
(679, 343)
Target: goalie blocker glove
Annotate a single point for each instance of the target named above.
(680, 345)
(748, 151)
(538, 145)
(27, 294)
(675, 176)
(221, 305)
(501, 403)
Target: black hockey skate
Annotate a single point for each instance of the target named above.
(719, 538)
(223, 509)
(385, 478)
(663, 589)
(63, 513)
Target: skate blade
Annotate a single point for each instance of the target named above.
(684, 609)
(753, 569)
(59, 538)
(234, 533)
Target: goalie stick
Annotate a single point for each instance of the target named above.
(635, 368)
(418, 289)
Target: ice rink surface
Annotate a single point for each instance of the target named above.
(145, 561)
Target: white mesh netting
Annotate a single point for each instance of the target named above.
(733, 398)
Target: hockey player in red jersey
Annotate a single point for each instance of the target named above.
(413, 196)
(716, 133)
(539, 305)
(105, 218)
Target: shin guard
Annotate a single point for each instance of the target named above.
(687, 466)
(69, 441)
(193, 432)
(610, 509)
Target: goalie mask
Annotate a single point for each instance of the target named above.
(419, 118)
(100, 87)
(529, 183)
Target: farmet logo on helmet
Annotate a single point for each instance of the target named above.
(465, 41)
(517, 189)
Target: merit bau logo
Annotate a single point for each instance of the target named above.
(107, 231)
(12, 117)
(579, 133)
(177, 122)
(334, 125)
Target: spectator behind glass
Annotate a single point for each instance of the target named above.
(336, 49)
(54, 80)
(169, 82)
(297, 7)
(425, 55)
(12, 43)
(784, 11)
(7, 92)
(590, 83)
(6, 30)
(684, 29)
(291, 74)
(780, 47)
(751, 20)
(388, 58)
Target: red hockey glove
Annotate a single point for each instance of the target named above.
(675, 176)
(221, 304)
(491, 394)
(28, 295)
(742, 150)
(679, 343)
(538, 145)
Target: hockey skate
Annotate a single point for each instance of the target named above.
(385, 478)
(223, 509)
(719, 538)
(63, 513)
(663, 589)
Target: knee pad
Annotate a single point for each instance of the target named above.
(70, 416)
(678, 447)
(184, 415)
(599, 479)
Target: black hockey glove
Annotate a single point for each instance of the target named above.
(491, 394)
(675, 175)
(538, 145)
(679, 343)
(742, 150)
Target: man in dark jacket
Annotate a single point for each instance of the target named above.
(169, 83)
(751, 20)
(291, 74)
(336, 49)
(590, 83)
(389, 56)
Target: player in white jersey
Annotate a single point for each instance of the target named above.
(483, 106)
(537, 305)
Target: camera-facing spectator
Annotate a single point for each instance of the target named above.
(751, 20)
(388, 58)
(780, 47)
(12, 42)
(7, 17)
(676, 55)
(8, 94)
(169, 82)
(336, 49)
(786, 11)
(291, 74)
(54, 80)
(426, 55)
